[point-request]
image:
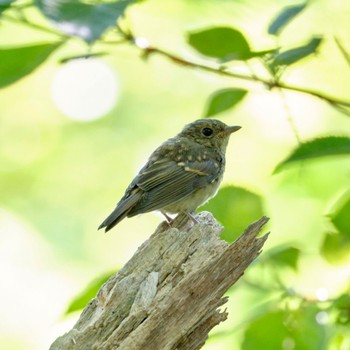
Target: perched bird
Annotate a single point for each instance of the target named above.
(180, 175)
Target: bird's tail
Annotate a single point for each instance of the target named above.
(121, 211)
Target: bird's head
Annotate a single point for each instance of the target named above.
(210, 133)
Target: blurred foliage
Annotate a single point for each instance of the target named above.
(283, 256)
(336, 245)
(292, 329)
(223, 43)
(80, 301)
(84, 20)
(289, 57)
(340, 217)
(284, 17)
(222, 100)
(235, 208)
(22, 61)
(4, 4)
(317, 148)
(281, 70)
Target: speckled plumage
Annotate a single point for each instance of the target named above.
(180, 175)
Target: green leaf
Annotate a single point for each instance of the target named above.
(85, 20)
(224, 99)
(321, 147)
(80, 301)
(284, 256)
(235, 208)
(223, 43)
(342, 306)
(260, 331)
(5, 4)
(341, 217)
(284, 17)
(342, 302)
(289, 57)
(21, 61)
(292, 329)
(336, 248)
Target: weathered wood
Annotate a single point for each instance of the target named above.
(168, 295)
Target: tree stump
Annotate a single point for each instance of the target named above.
(168, 295)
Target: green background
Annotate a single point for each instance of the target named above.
(59, 177)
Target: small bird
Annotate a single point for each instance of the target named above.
(180, 175)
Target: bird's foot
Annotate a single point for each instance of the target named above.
(191, 216)
(169, 220)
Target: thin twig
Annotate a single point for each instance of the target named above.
(270, 84)
(289, 115)
(113, 42)
(33, 25)
(342, 50)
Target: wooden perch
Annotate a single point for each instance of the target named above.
(168, 295)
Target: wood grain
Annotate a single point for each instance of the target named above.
(168, 295)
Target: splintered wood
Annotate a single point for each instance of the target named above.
(168, 296)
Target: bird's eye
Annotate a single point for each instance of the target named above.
(207, 131)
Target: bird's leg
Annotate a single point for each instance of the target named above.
(190, 215)
(169, 220)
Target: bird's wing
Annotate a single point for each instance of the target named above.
(165, 182)
(122, 209)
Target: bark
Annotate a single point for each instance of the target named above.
(168, 296)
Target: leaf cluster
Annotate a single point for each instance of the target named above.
(296, 321)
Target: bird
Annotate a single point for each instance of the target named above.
(183, 173)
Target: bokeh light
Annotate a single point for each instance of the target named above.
(64, 165)
(85, 89)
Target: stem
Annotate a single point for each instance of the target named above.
(24, 21)
(289, 115)
(270, 84)
(342, 50)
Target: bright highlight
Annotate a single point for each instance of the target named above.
(85, 89)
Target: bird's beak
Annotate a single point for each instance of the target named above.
(231, 129)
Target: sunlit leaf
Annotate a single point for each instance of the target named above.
(341, 218)
(80, 301)
(221, 42)
(317, 148)
(15, 63)
(87, 21)
(289, 57)
(286, 330)
(342, 305)
(342, 302)
(284, 17)
(224, 99)
(235, 208)
(284, 256)
(5, 4)
(306, 330)
(341, 107)
(260, 330)
(336, 247)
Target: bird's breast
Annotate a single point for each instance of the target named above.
(195, 199)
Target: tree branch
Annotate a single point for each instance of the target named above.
(34, 25)
(219, 69)
(342, 105)
(169, 294)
